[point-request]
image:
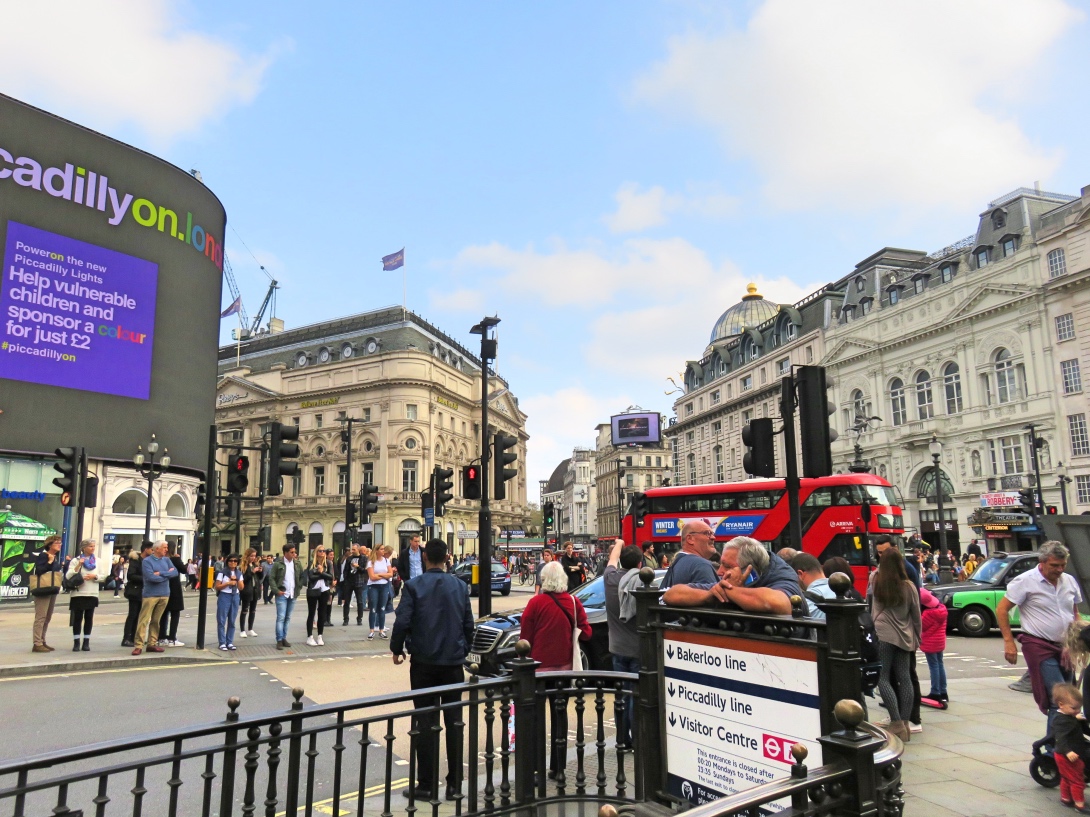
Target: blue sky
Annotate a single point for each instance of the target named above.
(606, 177)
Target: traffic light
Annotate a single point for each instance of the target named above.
(471, 481)
(298, 537)
(639, 507)
(1028, 498)
(368, 502)
(281, 451)
(814, 411)
(426, 503)
(68, 468)
(501, 459)
(89, 492)
(444, 488)
(350, 514)
(547, 515)
(760, 459)
(202, 502)
(238, 474)
(1051, 510)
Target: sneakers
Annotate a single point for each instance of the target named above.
(370, 637)
(914, 728)
(1023, 684)
(321, 641)
(242, 634)
(253, 634)
(223, 648)
(383, 634)
(311, 642)
(177, 643)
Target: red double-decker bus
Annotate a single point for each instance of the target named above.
(832, 515)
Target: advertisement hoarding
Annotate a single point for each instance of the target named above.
(638, 428)
(109, 293)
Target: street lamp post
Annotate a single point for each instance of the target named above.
(1064, 480)
(946, 573)
(150, 470)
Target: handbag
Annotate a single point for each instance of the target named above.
(576, 653)
(73, 582)
(47, 584)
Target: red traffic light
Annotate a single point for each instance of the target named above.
(240, 465)
(471, 472)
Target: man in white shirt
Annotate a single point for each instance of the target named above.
(1046, 599)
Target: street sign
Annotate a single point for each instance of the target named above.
(467, 534)
(734, 709)
(429, 516)
(514, 534)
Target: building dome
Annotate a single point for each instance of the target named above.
(752, 310)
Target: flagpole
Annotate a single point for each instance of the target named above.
(238, 348)
(404, 292)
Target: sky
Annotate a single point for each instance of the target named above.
(605, 177)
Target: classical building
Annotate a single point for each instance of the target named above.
(413, 394)
(972, 345)
(579, 498)
(737, 378)
(620, 471)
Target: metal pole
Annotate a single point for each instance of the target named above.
(484, 519)
(347, 489)
(944, 564)
(79, 501)
(1064, 479)
(261, 485)
(1040, 497)
(147, 513)
(787, 412)
(211, 501)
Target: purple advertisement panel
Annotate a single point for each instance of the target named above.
(76, 315)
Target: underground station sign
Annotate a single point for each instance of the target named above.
(734, 708)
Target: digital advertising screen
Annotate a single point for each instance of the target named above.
(636, 429)
(109, 294)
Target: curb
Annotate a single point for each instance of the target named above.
(71, 667)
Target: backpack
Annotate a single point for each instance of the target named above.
(868, 650)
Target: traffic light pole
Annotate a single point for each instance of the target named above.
(348, 521)
(211, 502)
(484, 519)
(1039, 497)
(787, 412)
(79, 501)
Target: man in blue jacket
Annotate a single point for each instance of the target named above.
(435, 622)
(157, 571)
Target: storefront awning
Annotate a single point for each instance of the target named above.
(16, 526)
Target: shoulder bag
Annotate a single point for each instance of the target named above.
(73, 581)
(573, 619)
(47, 584)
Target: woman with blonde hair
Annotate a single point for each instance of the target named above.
(319, 590)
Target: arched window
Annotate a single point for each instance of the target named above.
(951, 379)
(925, 489)
(692, 469)
(176, 506)
(752, 349)
(131, 502)
(897, 401)
(1006, 382)
(1057, 263)
(925, 403)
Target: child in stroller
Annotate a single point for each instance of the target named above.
(1052, 764)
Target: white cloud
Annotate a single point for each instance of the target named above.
(114, 62)
(854, 103)
(460, 300)
(559, 421)
(638, 211)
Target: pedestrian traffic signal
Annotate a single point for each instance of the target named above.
(350, 514)
(814, 411)
(68, 468)
(298, 537)
(368, 502)
(1028, 498)
(471, 481)
(501, 459)
(547, 515)
(443, 479)
(201, 503)
(1051, 510)
(89, 492)
(760, 457)
(238, 474)
(639, 507)
(282, 453)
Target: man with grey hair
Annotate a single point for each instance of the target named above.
(750, 578)
(1047, 600)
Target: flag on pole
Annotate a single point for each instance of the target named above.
(394, 260)
(234, 308)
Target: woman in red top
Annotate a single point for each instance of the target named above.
(551, 618)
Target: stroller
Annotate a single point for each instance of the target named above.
(1042, 767)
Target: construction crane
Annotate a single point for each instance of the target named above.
(250, 328)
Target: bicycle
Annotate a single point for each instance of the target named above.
(525, 575)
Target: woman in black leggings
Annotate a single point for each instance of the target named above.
(253, 572)
(895, 608)
(84, 599)
(319, 589)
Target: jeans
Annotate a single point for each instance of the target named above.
(358, 593)
(226, 613)
(622, 663)
(1052, 673)
(377, 596)
(937, 671)
(284, 605)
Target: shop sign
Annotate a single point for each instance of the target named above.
(35, 496)
(1000, 499)
(328, 401)
(443, 401)
(997, 527)
(933, 527)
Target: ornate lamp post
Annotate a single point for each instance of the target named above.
(151, 471)
(946, 574)
(1064, 480)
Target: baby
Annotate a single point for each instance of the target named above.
(1071, 747)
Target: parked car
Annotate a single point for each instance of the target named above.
(501, 578)
(495, 636)
(971, 604)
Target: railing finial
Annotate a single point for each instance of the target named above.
(233, 704)
(297, 694)
(647, 576)
(849, 714)
(840, 584)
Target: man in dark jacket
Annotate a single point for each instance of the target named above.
(134, 593)
(353, 580)
(573, 567)
(435, 622)
(410, 561)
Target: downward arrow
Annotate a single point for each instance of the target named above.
(670, 689)
(669, 652)
(672, 720)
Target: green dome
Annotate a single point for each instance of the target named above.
(753, 310)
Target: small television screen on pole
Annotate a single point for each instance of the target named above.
(109, 293)
(636, 429)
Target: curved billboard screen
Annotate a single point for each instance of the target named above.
(109, 293)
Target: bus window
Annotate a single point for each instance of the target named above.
(847, 545)
(819, 498)
(758, 500)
